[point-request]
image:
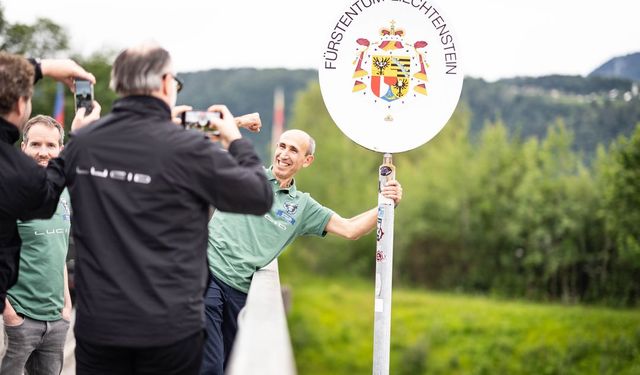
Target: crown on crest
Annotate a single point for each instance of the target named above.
(391, 31)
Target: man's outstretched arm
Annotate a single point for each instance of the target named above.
(359, 225)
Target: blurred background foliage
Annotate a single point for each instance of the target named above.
(500, 215)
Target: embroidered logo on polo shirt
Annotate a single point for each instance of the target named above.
(291, 207)
(286, 217)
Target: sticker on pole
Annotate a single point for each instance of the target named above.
(391, 73)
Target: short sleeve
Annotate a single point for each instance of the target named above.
(314, 218)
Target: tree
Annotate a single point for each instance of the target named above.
(44, 38)
(433, 222)
(619, 178)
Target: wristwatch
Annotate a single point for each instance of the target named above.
(37, 68)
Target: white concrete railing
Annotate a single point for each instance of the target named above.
(262, 343)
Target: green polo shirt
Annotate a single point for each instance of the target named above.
(39, 291)
(239, 245)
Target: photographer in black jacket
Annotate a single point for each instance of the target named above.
(140, 188)
(26, 192)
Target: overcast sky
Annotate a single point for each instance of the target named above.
(497, 38)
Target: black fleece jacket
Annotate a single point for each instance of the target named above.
(140, 189)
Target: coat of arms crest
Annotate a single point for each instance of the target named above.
(392, 67)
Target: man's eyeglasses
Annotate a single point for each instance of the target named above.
(179, 84)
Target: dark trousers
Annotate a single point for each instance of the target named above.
(180, 358)
(222, 304)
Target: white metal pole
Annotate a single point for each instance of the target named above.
(384, 271)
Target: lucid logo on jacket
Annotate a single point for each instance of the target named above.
(115, 174)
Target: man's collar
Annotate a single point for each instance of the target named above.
(291, 190)
(9, 133)
(146, 104)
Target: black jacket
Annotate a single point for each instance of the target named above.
(140, 190)
(25, 193)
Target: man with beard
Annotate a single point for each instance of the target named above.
(38, 307)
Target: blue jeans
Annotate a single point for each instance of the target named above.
(35, 346)
(222, 304)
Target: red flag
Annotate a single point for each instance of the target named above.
(278, 115)
(58, 105)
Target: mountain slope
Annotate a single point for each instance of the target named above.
(621, 67)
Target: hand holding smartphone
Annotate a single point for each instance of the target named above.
(201, 120)
(83, 95)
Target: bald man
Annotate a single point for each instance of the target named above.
(239, 245)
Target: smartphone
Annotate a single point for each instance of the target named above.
(198, 119)
(84, 95)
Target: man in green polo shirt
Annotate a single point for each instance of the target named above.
(239, 245)
(38, 307)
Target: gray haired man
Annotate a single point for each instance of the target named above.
(141, 188)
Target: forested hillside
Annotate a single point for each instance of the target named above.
(595, 109)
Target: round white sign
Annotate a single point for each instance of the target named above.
(391, 73)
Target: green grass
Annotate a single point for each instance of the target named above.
(331, 326)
